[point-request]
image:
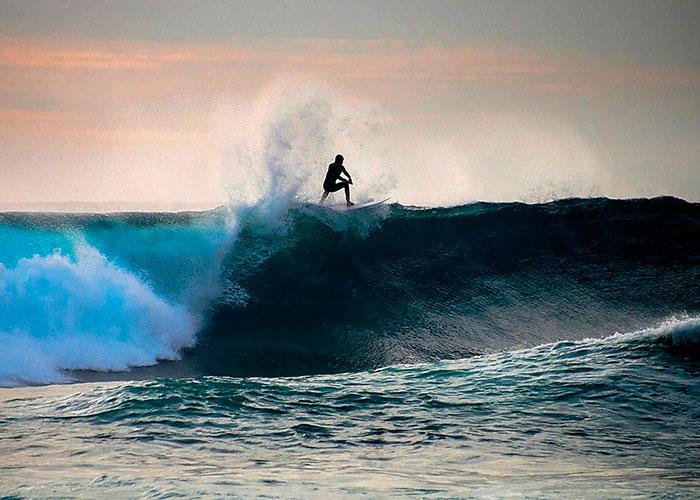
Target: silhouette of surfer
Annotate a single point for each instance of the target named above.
(330, 184)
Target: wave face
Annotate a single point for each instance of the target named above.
(350, 293)
(306, 290)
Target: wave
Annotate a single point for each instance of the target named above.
(589, 369)
(411, 285)
(87, 314)
(105, 293)
(579, 410)
(305, 290)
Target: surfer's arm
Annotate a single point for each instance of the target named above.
(348, 175)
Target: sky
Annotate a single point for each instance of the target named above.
(165, 104)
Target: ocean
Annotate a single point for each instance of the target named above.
(485, 350)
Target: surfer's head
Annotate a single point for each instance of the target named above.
(339, 159)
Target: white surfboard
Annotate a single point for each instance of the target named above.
(342, 207)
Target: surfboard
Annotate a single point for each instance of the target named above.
(342, 207)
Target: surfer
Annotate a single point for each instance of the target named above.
(335, 170)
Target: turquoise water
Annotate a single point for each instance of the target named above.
(300, 352)
(616, 416)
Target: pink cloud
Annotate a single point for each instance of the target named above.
(168, 86)
(107, 55)
(351, 59)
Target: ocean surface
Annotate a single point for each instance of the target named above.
(489, 350)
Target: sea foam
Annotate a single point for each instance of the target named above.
(60, 313)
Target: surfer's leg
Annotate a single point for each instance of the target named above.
(323, 198)
(347, 194)
(332, 188)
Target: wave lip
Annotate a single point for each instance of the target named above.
(60, 314)
(680, 333)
